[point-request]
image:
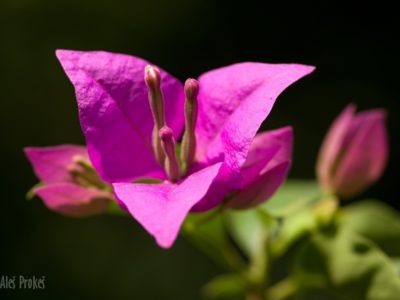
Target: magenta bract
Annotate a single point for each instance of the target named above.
(265, 168)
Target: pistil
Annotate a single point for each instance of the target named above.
(152, 79)
(171, 163)
(191, 109)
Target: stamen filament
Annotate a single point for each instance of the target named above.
(191, 110)
(78, 176)
(83, 172)
(171, 164)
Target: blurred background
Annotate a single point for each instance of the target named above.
(354, 47)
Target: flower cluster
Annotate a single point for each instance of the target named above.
(197, 141)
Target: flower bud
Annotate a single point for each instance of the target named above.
(152, 78)
(171, 164)
(191, 111)
(69, 184)
(354, 152)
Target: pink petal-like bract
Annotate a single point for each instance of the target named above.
(266, 167)
(354, 153)
(50, 163)
(161, 208)
(233, 103)
(72, 200)
(114, 111)
(262, 188)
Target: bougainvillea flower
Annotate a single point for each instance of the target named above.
(354, 153)
(132, 113)
(69, 185)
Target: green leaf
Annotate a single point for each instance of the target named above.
(208, 233)
(292, 203)
(294, 228)
(396, 263)
(227, 286)
(376, 221)
(346, 264)
(249, 229)
(318, 294)
(292, 196)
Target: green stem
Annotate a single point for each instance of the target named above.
(325, 210)
(282, 290)
(255, 295)
(259, 270)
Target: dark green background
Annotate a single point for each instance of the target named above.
(354, 47)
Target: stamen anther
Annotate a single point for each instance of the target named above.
(171, 161)
(191, 109)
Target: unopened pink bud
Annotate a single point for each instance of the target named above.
(191, 88)
(171, 160)
(152, 77)
(354, 152)
(166, 134)
(191, 110)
